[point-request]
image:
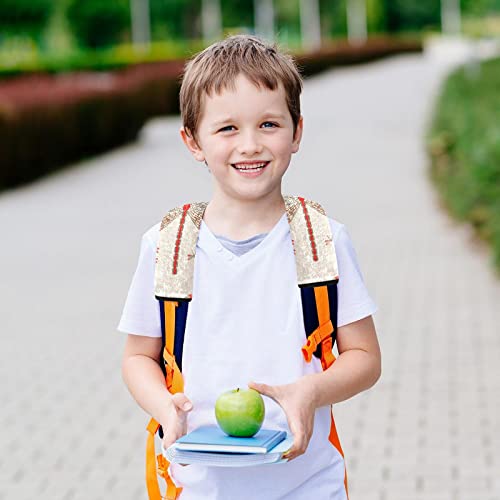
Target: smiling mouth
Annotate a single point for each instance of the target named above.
(250, 167)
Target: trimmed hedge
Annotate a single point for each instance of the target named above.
(464, 147)
(344, 54)
(48, 121)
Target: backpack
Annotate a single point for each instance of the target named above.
(316, 265)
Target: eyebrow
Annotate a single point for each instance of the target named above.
(266, 116)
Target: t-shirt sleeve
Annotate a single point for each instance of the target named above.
(141, 313)
(354, 301)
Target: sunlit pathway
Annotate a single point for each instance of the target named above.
(68, 428)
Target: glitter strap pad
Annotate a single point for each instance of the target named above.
(312, 242)
(311, 238)
(175, 253)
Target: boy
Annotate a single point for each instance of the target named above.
(240, 104)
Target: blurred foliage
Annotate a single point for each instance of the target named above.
(464, 144)
(411, 14)
(49, 34)
(116, 57)
(482, 27)
(98, 23)
(480, 7)
(175, 19)
(24, 17)
(64, 24)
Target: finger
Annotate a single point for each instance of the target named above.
(264, 389)
(299, 446)
(182, 402)
(295, 451)
(169, 438)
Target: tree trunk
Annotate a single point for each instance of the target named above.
(141, 23)
(264, 19)
(356, 21)
(451, 17)
(211, 20)
(310, 24)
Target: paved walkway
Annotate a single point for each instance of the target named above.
(428, 430)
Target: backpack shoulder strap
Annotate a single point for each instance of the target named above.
(317, 275)
(311, 238)
(312, 241)
(174, 270)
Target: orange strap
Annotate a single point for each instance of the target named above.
(327, 356)
(325, 328)
(173, 378)
(323, 332)
(175, 383)
(151, 471)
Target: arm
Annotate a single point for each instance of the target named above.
(356, 369)
(142, 375)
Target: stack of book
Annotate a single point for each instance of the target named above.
(209, 445)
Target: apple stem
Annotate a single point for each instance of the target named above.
(237, 390)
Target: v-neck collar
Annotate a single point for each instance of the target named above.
(208, 241)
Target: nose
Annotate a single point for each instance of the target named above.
(249, 143)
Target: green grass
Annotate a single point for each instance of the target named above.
(464, 145)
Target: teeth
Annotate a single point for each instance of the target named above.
(253, 167)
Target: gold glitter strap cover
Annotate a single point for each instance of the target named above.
(312, 242)
(311, 238)
(175, 253)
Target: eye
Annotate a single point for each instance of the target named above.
(227, 128)
(269, 125)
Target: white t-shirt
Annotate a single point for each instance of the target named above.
(245, 324)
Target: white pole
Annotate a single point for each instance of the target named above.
(141, 30)
(211, 20)
(451, 18)
(264, 19)
(357, 30)
(310, 25)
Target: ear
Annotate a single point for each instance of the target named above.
(298, 135)
(191, 144)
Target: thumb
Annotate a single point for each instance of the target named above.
(264, 389)
(182, 402)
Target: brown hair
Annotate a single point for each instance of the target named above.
(217, 67)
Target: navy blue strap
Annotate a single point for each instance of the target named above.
(310, 312)
(180, 328)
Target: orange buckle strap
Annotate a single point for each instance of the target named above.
(319, 335)
(152, 471)
(327, 356)
(173, 378)
(172, 491)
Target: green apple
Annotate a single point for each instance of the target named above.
(240, 412)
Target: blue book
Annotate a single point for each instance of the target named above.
(210, 438)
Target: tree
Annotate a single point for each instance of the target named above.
(24, 16)
(98, 23)
(412, 15)
(237, 13)
(175, 19)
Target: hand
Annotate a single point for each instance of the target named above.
(297, 402)
(175, 422)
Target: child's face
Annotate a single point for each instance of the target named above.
(246, 127)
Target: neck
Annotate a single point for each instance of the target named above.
(242, 219)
